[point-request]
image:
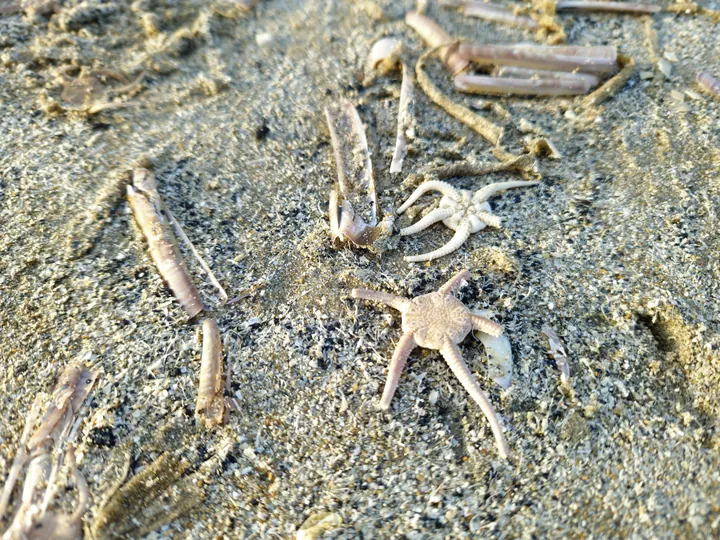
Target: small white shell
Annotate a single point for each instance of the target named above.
(385, 54)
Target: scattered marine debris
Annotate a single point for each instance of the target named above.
(438, 321)
(353, 206)
(557, 351)
(485, 128)
(50, 447)
(461, 210)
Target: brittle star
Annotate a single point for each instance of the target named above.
(438, 321)
(461, 210)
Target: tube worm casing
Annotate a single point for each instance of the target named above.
(210, 407)
(147, 208)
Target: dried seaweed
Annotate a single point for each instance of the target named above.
(485, 128)
(612, 85)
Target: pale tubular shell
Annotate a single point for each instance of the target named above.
(708, 83)
(608, 7)
(435, 36)
(353, 202)
(480, 84)
(526, 73)
(385, 54)
(147, 208)
(406, 95)
(499, 14)
(499, 353)
(317, 524)
(596, 59)
(210, 407)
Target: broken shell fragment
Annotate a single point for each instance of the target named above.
(148, 209)
(480, 84)
(210, 407)
(353, 202)
(385, 55)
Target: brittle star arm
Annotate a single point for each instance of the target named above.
(452, 356)
(490, 219)
(397, 302)
(403, 349)
(431, 218)
(432, 185)
(462, 234)
(482, 324)
(454, 283)
(485, 193)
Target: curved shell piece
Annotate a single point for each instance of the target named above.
(499, 353)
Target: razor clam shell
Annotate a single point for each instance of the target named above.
(353, 202)
(210, 407)
(595, 59)
(480, 84)
(147, 207)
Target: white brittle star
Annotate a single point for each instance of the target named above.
(461, 210)
(438, 321)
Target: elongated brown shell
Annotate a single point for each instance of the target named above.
(147, 207)
(210, 406)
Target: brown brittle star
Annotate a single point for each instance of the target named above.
(438, 321)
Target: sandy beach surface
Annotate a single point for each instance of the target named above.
(617, 250)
